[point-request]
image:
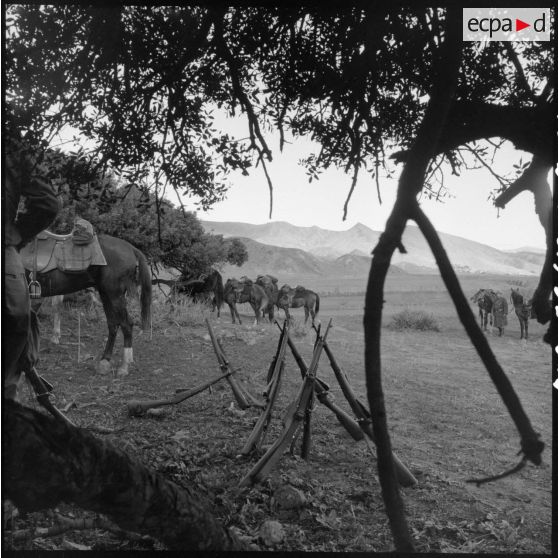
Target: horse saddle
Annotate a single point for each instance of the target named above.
(70, 253)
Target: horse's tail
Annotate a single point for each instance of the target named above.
(144, 276)
(317, 304)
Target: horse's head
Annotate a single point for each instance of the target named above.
(516, 297)
(479, 295)
(284, 300)
(264, 280)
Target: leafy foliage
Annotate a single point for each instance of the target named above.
(165, 234)
(142, 84)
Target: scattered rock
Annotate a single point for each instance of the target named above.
(10, 512)
(155, 413)
(271, 533)
(69, 545)
(181, 436)
(233, 411)
(158, 371)
(288, 497)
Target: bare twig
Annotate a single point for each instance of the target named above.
(64, 524)
(519, 71)
(349, 195)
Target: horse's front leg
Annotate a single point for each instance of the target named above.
(232, 312)
(57, 302)
(216, 307)
(256, 310)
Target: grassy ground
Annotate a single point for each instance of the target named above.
(446, 420)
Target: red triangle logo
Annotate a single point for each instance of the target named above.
(519, 25)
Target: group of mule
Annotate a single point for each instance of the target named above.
(126, 268)
(493, 310)
(263, 295)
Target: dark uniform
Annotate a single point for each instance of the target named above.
(40, 205)
(500, 312)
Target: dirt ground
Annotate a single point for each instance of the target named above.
(446, 420)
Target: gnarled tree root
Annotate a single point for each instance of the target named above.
(46, 462)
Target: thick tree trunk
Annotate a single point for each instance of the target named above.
(46, 462)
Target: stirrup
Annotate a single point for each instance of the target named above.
(34, 288)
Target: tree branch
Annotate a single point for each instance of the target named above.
(528, 128)
(508, 46)
(534, 179)
(76, 467)
(531, 446)
(444, 83)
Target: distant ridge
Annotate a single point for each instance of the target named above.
(348, 252)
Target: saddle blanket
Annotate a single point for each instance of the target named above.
(61, 252)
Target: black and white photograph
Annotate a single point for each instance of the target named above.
(278, 277)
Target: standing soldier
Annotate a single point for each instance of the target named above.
(500, 313)
(30, 205)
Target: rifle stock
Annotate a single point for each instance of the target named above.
(404, 476)
(350, 424)
(138, 408)
(237, 392)
(273, 454)
(42, 390)
(244, 394)
(292, 421)
(322, 393)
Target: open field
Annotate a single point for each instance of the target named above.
(446, 421)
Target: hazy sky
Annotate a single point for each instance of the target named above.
(467, 213)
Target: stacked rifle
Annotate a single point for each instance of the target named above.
(299, 413)
(243, 398)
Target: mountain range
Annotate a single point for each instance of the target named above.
(280, 247)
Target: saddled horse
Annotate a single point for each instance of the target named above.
(208, 288)
(299, 297)
(485, 300)
(523, 311)
(125, 269)
(269, 284)
(245, 290)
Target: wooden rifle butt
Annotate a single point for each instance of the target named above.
(263, 420)
(137, 408)
(348, 422)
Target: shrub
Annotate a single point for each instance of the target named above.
(414, 319)
(181, 312)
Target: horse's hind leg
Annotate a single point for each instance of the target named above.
(127, 325)
(112, 323)
(526, 330)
